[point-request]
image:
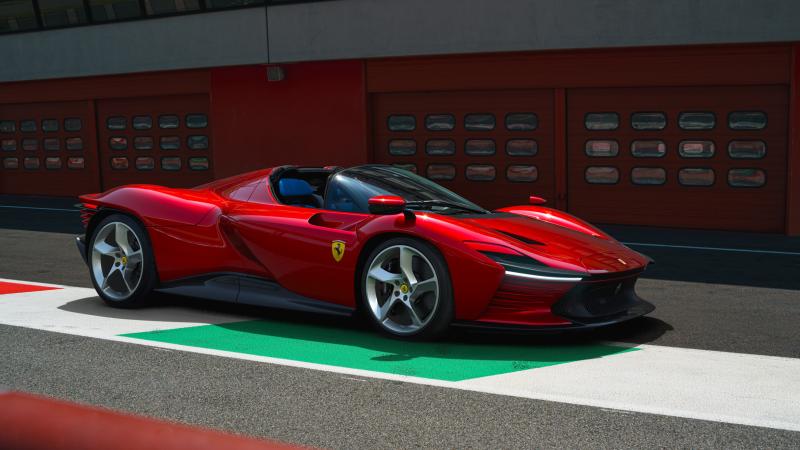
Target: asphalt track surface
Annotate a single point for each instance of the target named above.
(729, 301)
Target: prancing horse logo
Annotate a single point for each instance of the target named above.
(337, 250)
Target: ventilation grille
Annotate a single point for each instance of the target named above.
(520, 238)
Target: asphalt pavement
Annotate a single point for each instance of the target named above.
(729, 292)
(334, 411)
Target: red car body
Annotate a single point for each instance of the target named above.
(237, 227)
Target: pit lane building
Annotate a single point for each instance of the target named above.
(670, 113)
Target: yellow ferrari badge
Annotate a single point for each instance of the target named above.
(337, 249)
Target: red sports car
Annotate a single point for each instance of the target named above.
(413, 256)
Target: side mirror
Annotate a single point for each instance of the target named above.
(386, 204)
(534, 200)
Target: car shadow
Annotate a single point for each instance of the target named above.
(637, 331)
(164, 308)
(258, 324)
(461, 344)
(175, 308)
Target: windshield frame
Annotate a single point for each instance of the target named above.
(363, 182)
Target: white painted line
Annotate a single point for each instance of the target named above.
(697, 384)
(38, 208)
(716, 249)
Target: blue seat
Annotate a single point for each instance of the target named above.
(297, 192)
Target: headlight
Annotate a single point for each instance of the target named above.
(524, 267)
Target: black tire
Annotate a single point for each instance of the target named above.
(141, 294)
(440, 317)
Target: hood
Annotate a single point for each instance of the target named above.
(559, 246)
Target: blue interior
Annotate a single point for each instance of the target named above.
(297, 192)
(294, 187)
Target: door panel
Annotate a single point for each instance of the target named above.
(666, 164)
(298, 253)
(494, 148)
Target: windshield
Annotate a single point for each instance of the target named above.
(350, 190)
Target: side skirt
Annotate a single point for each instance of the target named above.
(248, 290)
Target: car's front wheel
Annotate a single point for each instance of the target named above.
(121, 262)
(406, 289)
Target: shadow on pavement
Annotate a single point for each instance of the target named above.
(174, 308)
(637, 331)
(343, 345)
(355, 330)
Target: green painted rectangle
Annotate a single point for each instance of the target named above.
(356, 349)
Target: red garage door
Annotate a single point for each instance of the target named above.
(705, 157)
(159, 140)
(48, 149)
(495, 148)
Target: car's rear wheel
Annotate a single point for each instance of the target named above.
(406, 289)
(121, 262)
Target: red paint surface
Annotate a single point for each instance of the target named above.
(556, 217)
(16, 288)
(793, 163)
(719, 206)
(110, 86)
(315, 116)
(720, 78)
(560, 147)
(179, 105)
(158, 205)
(213, 229)
(54, 181)
(334, 112)
(33, 423)
(521, 301)
(489, 194)
(92, 99)
(718, 65)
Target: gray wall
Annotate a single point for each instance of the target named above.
(197, 40)
(374, 28)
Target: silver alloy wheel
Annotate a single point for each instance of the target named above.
(117, 260)
(402, 289)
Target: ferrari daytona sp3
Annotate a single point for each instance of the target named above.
(409, 254)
